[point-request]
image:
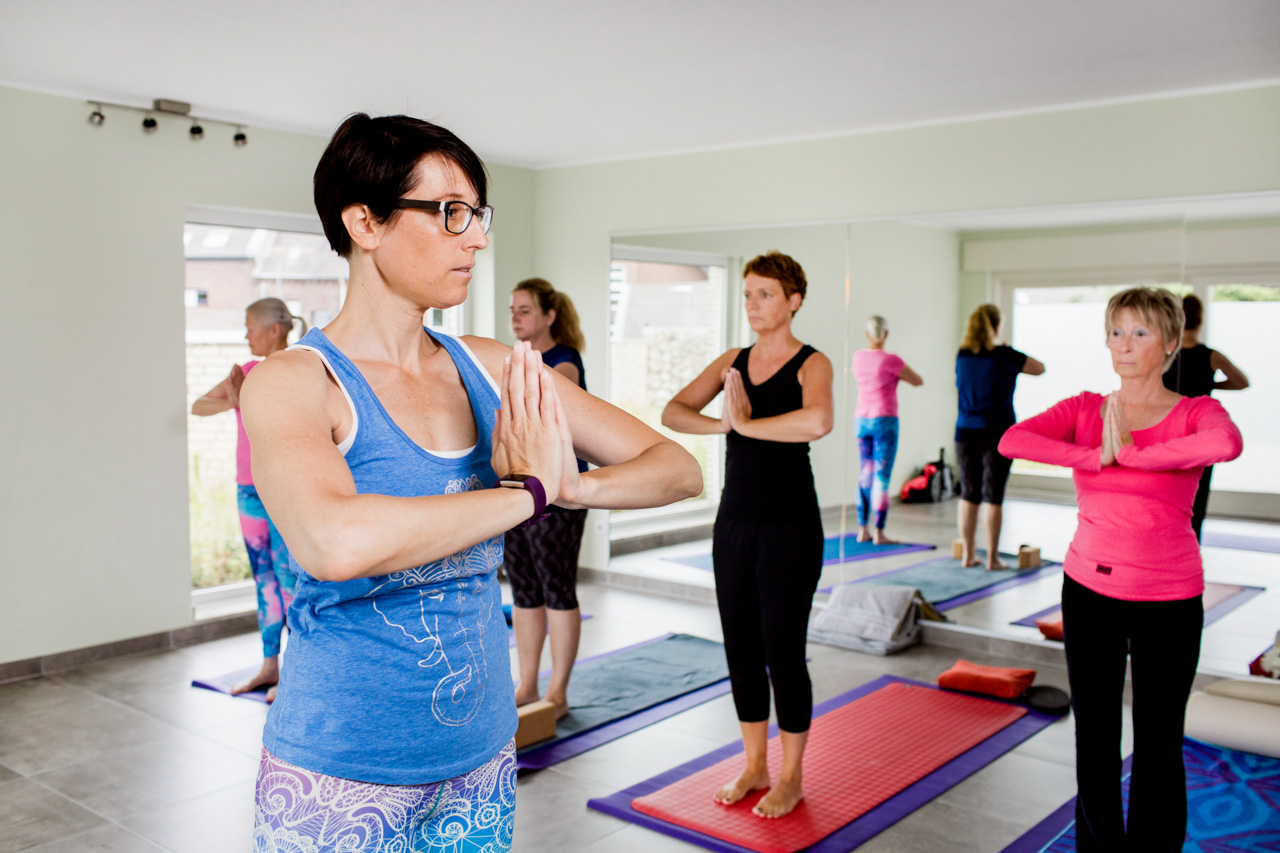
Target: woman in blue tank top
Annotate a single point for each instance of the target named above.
(393, 463)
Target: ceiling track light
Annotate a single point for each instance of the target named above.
(163, 106)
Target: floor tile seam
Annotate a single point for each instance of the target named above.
(176, 803)
(126, 829)
(80, 805)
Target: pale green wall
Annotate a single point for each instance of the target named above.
(93, 441)
(1199, 144)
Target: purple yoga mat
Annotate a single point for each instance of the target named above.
(857, 831)
(1213, 613)
(1240, 542)
(224, 683)
(1045, 832)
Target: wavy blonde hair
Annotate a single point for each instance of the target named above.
(980, 334)
(1158, 308)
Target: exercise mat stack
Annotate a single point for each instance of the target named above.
(873, 618)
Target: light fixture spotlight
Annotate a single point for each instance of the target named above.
(96, 118)
(197, 132)
(149, 125)
(240, 139)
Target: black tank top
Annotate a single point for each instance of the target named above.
(769, 482)
(1191, 374)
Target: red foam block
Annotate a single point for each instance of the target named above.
(858, 756)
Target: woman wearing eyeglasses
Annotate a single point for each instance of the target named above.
(393, 459)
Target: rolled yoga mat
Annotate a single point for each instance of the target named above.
(619, 692)
(853, 551)
(1219, 600)
(1231, 805)
(875, 754)
(1238, 724)
(946, 584)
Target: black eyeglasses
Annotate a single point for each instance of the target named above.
(457, 214)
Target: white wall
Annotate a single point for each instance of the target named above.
(93, 513)
(1200, 144)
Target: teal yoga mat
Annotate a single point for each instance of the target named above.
(944, 583)
(624, 682)
(853, 551)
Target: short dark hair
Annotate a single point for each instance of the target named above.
(1193, 308)
(783, 269)
(372, 161)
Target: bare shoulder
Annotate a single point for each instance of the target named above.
(490, 352)
(298, 375)
(816, 365)
(726, 360)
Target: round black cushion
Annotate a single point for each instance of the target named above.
(1050, 700)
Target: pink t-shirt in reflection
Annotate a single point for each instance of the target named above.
(876, 373)
(244, 470)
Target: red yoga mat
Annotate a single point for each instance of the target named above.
(858, 756)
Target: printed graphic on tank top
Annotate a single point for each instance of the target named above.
(404, 678)
(769, 482)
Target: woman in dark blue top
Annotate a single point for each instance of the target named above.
(986, 373)
(541, 562)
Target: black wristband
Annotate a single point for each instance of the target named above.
(533, 486)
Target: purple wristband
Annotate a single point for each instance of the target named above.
(533, 486)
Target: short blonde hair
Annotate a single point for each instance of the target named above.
(877, 328)
(1158, 308)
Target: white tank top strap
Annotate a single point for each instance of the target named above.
(355, 416)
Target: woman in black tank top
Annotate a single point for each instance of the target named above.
(1194, 374)
(767, 546)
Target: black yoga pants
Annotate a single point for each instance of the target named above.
(1161, 640)
(983, 471)
(1201, 505)
(541, 560)
(766, 575)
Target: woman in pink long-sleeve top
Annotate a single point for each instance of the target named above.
(1134, 579)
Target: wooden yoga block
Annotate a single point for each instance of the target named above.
(957, 550)
(537, 722)
(1028, 557)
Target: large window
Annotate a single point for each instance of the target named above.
(667, 323)
(1241, 321)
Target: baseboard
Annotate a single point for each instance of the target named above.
(190, 635)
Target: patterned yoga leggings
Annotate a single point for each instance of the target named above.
(269, 562)
(877, 446)
(298, 811)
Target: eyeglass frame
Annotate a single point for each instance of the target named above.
(439, 207)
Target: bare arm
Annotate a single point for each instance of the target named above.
(910, 377)
(216, 401)
(684, 412)
(638, 466)
(290, 411)
(1032, 367)
(1235, 381)
(569, 369)
(811, 421)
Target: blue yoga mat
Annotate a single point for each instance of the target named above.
(1233, 804)
(619, 692)
(853, 551)
(945, 584)
(1240, 542)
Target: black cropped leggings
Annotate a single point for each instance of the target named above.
(1161, 641)
(766, 575)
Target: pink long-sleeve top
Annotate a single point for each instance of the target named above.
(1133, 539)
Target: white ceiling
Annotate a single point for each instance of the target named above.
(567, 81)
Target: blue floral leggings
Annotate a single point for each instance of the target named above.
(298, 811)
(877, 447)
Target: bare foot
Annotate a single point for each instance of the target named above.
(864, 535)
(881, 539)
(271, 693)
(525, 696)
(995, 564)
(562, 705)
(750, 780)
(780, 800)
(266, 677)
(970, 562)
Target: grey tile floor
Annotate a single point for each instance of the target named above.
(126, 757)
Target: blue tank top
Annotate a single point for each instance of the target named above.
(405, 678)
